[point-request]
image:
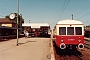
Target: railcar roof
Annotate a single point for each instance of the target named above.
(69, 22)
(35, 24)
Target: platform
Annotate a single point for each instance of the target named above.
(28, 49)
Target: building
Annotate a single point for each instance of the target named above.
(37, 29)
(7, 22)
(7, 28)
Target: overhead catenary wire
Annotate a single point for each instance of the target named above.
(63, 5)
(82, 11)
(64, 8)
(4, 11)
(2, 16)
(83, 16)
(87, 22)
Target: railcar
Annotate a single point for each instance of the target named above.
(69, 34)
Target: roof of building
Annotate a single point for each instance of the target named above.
(40, 24)
(5, 20)
(35, 25)
(69, 22)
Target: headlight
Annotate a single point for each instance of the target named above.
(79, 40)
(62, 40)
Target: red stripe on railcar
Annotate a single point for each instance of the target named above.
(69, 39)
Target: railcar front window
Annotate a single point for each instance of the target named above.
(78, 30)
(70, 30)
(62, 30)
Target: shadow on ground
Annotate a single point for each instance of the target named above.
(26, 42)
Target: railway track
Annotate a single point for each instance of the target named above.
(73, 57)
(79, 57)
(87, 43)
(66, 55)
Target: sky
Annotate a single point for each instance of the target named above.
(48, 11)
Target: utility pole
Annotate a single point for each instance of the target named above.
(29, 21)
(20, 23)
(20, 20)
(72, 16)
(17, 19)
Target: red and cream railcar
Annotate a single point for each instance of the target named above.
(69, 34)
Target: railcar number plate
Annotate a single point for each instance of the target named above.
(71, 39)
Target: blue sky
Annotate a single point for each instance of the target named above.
(48, 11)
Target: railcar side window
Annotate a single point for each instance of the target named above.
(62, 30)
(78, 30)
(70, 30)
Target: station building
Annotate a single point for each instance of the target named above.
(37, 29)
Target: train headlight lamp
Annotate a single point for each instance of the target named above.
(79, 40)
(62, 37)
(62, 40)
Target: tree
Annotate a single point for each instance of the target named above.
(20, 19)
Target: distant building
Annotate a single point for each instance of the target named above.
(37, 29)
(7, 22)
